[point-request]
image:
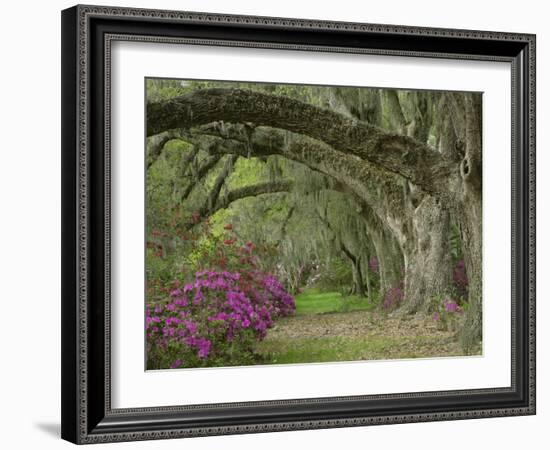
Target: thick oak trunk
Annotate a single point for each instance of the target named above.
(358, 283)
(390, 258)
(470, 214)
(428, 268)
(471, 225)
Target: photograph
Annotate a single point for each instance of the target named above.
(278, 223)
(295, 224)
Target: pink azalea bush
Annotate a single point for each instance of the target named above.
(448, 314)
(393, 297)
(374, 266)
(216, 319)
(460, 279)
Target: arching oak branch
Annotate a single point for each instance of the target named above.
(395, 153)
(252, 190)
(382, 190)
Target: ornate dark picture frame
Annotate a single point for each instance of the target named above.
(87, 33)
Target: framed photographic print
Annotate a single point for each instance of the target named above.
(281, 224)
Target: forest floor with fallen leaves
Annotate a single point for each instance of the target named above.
(321, 332)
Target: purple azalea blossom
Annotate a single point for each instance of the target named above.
(373, 265)
(451, 306)
(225, 307)
(177, 363)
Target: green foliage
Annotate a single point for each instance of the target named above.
(245, 172)
(330, 349)
(204, 249)
(332, 274)
(160, 89)
(160, 272)
(314, 301)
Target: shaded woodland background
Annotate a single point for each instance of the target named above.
(370, 195)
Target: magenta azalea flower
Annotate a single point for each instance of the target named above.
(373, 264)
(177, 363)
(217, 308)
(451, 306)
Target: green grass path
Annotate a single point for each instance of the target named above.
(312, 301)
(330, 327)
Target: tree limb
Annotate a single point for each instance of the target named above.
(397, 118)
(253, 190)
(202, 171)
(382, 190)
(395, 153)
(155, 145)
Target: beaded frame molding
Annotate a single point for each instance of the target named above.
(87, 34)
